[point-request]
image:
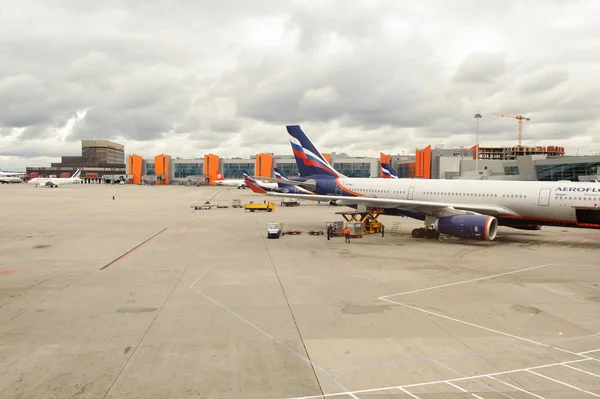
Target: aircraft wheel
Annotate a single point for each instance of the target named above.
(431, 234)
(417, 233)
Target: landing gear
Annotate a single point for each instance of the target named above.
(431, 234)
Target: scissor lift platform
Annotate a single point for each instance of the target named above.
(368, 218)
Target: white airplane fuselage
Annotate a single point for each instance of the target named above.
(10, 179)
(231, 183)
(53, 182)
(539, 202)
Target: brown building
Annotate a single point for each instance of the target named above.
(98, 158)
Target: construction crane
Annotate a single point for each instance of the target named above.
(520, 118)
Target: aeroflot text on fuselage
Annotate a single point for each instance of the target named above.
(579, 189)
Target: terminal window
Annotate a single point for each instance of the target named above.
(236, 170)
(353, 169)
(570, 171)
(188, 169)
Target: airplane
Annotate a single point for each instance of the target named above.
(52, 182)
(2, 173)
(468, 209)
(239, 183)
(267, 186)
(388, 171)
(283, 184)
(11, 177)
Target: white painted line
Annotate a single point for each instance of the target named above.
(467, 281)
(461, 389)
(580, 370)
(586, 352)
(569, 352)
(408, 393)
(457, 387)
(271, 337)
(563, 383)
(465, 322)
(516, 387)
(421, 384)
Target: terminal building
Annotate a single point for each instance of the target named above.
(98, 158)
(506, 163)
(164, 169)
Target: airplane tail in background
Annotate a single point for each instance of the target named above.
(248, 178)
(76, 174)
(388, 172)
(253, 184)
(310, 161)
(279, 175)
(219, 176)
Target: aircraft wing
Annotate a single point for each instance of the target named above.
(436, 209)
(288, 182)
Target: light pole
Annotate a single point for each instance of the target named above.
(477, 117)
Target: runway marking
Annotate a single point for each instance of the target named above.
(528, 243)
(183, 235)
(516, 387)
(581, 371)
(453, 380)
(408, 393)
(132, 250)
(465, 322)
(463, 390)
(586, 352)
(563, 383)
(266, 334)
(468, 281)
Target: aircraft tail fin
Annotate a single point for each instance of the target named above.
(388, 172)
(279, 175)
(76, 174)
(253, 184)
(310, 161)
(219, 176)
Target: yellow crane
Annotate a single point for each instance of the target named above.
(520, 118)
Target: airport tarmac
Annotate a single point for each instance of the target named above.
(143, 297)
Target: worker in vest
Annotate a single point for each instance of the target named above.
(347, 233)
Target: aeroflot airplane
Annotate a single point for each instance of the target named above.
(470, 209)
(282, 185)
(388, 172)
(56, 181)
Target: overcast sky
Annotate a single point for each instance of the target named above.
(188, 77)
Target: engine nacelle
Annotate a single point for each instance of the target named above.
(473, 227)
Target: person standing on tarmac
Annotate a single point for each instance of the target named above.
(347, 233)
(382, 230)
(329, 232)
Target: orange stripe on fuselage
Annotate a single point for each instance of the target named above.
(337, 182)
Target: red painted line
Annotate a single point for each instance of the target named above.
(184, 234)
(4, 272)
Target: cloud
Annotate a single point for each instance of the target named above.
(191, 77)
(481, 68)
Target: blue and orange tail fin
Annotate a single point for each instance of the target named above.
(279, 175)
(388, 172)
(310, 161)
(253, 184)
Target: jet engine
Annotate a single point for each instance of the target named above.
(473, 227)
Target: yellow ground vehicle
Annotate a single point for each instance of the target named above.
(260, 206)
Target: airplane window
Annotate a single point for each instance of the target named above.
(524, 196)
